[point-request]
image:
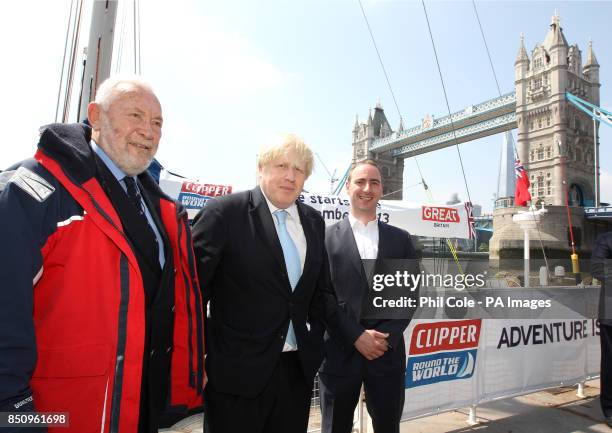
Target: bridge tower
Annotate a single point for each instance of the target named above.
(555, 139)
(392, 168)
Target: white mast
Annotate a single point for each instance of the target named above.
(99, 51)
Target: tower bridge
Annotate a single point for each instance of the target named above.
(475, 121)
(554, 138)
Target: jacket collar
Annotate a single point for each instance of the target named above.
(69, 145)
(259, 207)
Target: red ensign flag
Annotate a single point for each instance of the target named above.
(521, 193)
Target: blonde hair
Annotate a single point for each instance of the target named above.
(281, 146)
(113, 86)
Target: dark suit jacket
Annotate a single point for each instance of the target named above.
(601, 268)
(242, 273)
(351, 285)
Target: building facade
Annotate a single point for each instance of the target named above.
(392, 168)
(555, 139)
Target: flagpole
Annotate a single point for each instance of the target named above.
(573, 256)
(596, 157)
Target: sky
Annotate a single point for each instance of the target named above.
(232, 74)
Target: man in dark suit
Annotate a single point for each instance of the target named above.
(358, 237)
(600, 268)
(262, 266)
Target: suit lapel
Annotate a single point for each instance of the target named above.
(347, 238)
(384, 241)
(265, 225)
(263, 220)
(311, 240)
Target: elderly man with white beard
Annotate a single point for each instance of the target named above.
(100, 309)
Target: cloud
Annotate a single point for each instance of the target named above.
(205, 55)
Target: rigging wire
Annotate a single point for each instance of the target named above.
(446, 99)
(73, 55)
(134, 35)
(484, 40)
(399, 113)
(486, 47)
(139, 45)
(428, 192)
(59, 90)
(121, 38)
(382, 65)
(137, 64)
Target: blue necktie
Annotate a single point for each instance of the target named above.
(292, 262)
(135, 197)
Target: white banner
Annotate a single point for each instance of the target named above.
(432, 220)
(440, 221)
(459, 363)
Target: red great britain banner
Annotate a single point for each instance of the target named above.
(441, 214)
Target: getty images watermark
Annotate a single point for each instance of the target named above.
(439, 289)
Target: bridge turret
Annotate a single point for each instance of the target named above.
(522, 58)
(401, 126)
(522, 87)
(370, 127)
(555, 43)
(591, 61)
(392, 168)
(591, 73)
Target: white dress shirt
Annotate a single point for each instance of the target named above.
(296, 231)
(294, 227)
(366, 237)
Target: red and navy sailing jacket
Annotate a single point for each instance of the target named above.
(72, 307)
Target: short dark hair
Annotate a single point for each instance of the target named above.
(364, 162)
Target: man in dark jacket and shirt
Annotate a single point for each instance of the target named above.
(601, 269)
(263, 268)
(379, 363)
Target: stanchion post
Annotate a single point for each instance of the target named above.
(472, 417)
(527, 220)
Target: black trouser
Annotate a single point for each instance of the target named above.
(339, 396)
(605, 336)
(282, 407)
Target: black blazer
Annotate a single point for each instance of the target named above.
(351, 285)
(243, 275)
(601, 268)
